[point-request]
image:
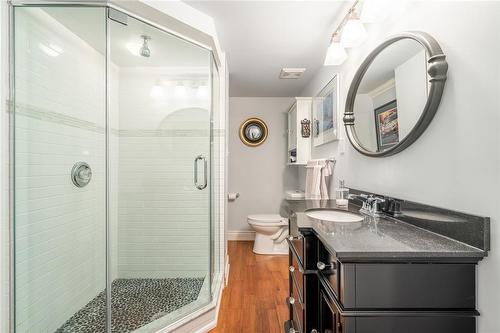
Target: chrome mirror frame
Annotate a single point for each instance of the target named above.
(437, 69)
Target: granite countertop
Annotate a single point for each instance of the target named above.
(379, 237)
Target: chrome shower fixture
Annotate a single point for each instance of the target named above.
(145, 51)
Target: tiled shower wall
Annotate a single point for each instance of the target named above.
(159, 221)
(163, 220)
(60, 229)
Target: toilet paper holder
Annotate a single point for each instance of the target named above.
(233, 196)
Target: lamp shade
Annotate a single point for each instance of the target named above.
(354, 33)
(335, 55)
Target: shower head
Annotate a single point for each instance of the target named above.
(145, 51)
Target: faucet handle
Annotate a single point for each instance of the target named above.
(392, 206)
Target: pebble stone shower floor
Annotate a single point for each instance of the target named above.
(134, 303)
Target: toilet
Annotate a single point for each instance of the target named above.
(271, 231)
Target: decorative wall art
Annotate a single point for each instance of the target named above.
(253, 132)
(325, 109)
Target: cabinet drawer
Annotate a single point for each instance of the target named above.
(334, 319)
(304, 246)
(410, 286)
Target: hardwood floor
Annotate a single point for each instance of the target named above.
(254, 299)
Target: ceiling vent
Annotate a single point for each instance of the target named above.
(292, 73)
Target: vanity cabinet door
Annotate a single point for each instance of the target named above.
(327, 323)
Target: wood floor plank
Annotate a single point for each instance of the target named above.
(254, 299)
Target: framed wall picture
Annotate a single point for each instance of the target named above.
(387, 125)
(325, 110)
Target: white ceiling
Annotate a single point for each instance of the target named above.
(261, 37)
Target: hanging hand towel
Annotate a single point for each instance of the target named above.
(326, 174)
(313, 179)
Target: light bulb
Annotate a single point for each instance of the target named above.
(353, 33)
(375, 11)
(157, 91)
(335, 55)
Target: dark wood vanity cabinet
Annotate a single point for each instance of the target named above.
(329, 295)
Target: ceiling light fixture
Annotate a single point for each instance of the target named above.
(336, 53)
(353, 33)
(144, 50)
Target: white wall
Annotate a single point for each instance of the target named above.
(259, 174)
(456, 162)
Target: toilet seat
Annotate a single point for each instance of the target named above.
(267, 220)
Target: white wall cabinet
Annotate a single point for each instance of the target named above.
(299, 148)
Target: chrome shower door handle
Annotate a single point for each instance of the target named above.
(205, 172)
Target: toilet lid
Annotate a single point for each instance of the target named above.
(267, 218)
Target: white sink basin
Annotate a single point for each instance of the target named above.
(332, 215)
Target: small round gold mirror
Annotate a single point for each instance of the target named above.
(253, 132)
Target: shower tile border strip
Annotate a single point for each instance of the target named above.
(62, 119)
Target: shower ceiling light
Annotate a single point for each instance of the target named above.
(354, 32)
(144, 50)
(51, 49)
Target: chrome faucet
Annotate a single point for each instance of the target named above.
(371, 204)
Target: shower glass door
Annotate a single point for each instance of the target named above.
(159, 177)
(59, 146)
(112, 169)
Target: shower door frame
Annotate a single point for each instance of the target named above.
(214, 226)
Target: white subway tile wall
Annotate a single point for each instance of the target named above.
(159, 222)
(163, 219)
(59, 228)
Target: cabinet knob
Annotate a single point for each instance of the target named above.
(291, 300)
(295, 237)
(291, 268)
(322, 266)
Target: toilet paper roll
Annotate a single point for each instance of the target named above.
(233, 196)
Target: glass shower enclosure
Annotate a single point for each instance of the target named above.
(115, 204)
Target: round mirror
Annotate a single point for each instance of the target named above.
(395, 94)
(253, 132)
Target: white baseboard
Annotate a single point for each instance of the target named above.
(240, 235)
